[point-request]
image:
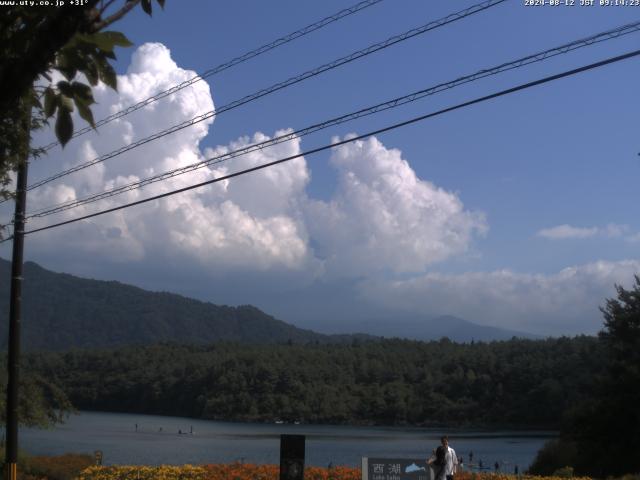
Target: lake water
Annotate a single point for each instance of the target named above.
(157, 441)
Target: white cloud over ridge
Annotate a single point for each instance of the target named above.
(562, 303)
(383, 217)
(382, 223)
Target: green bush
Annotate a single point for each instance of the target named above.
(564, 472)
(62, 467)
(555, 456)
(24, 460)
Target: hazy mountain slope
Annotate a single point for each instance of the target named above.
(62, 311)
(423, 328)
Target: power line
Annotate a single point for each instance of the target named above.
(359, 137)
(537, 57)
(279, 86)
(224, 66)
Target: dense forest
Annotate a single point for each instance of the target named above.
(527, 383)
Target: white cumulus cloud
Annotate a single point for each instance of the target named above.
(565, 231)
(383, 217)
(383, 223)
(251, 223)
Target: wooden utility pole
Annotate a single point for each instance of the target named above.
(15, 309)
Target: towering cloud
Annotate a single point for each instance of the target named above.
(384, 229)
(384, 218)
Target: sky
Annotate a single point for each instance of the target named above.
(519, 213)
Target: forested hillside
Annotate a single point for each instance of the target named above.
(513, 383)
(61, 311)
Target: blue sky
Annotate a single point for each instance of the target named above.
(527, 204)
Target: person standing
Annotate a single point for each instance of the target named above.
(444, 461)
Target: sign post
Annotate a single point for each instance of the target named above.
(292, 457)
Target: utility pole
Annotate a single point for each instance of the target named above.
(15, 310)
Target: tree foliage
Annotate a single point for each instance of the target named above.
(392, 382)
(35, 42)
(41, 402)
(603, 430)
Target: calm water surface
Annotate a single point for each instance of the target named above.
(220, 442)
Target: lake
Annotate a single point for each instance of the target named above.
(158, 441)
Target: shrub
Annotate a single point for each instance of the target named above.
(62, 467)
(553, 456)
(164, 472)
(564, 472)
(237, 471)
(231, 471)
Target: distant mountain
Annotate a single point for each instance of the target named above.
(61, 311)
(426, 328)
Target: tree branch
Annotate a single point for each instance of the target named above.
(128, 6)
(104, 6)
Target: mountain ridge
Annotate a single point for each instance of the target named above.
(421, 327)
(63, 311)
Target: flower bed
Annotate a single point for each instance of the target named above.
(164, 472)
(504, 476)
(237, 471)
(232, 471)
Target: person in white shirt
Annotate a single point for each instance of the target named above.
(450, 466)
(445, 461)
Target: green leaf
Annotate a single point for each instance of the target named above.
(65, 88)
(119, 39)
(66, 64)
(146, 6)
(50, 102)
(106, 41)
(66, 103)
(107, 73)
(82, 92)
(91, 72)
(86, 113)
(73, 42)
(64, 126)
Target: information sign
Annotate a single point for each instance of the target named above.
(396, 469)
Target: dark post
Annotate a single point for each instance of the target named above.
(292, 457)
(11, 455)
